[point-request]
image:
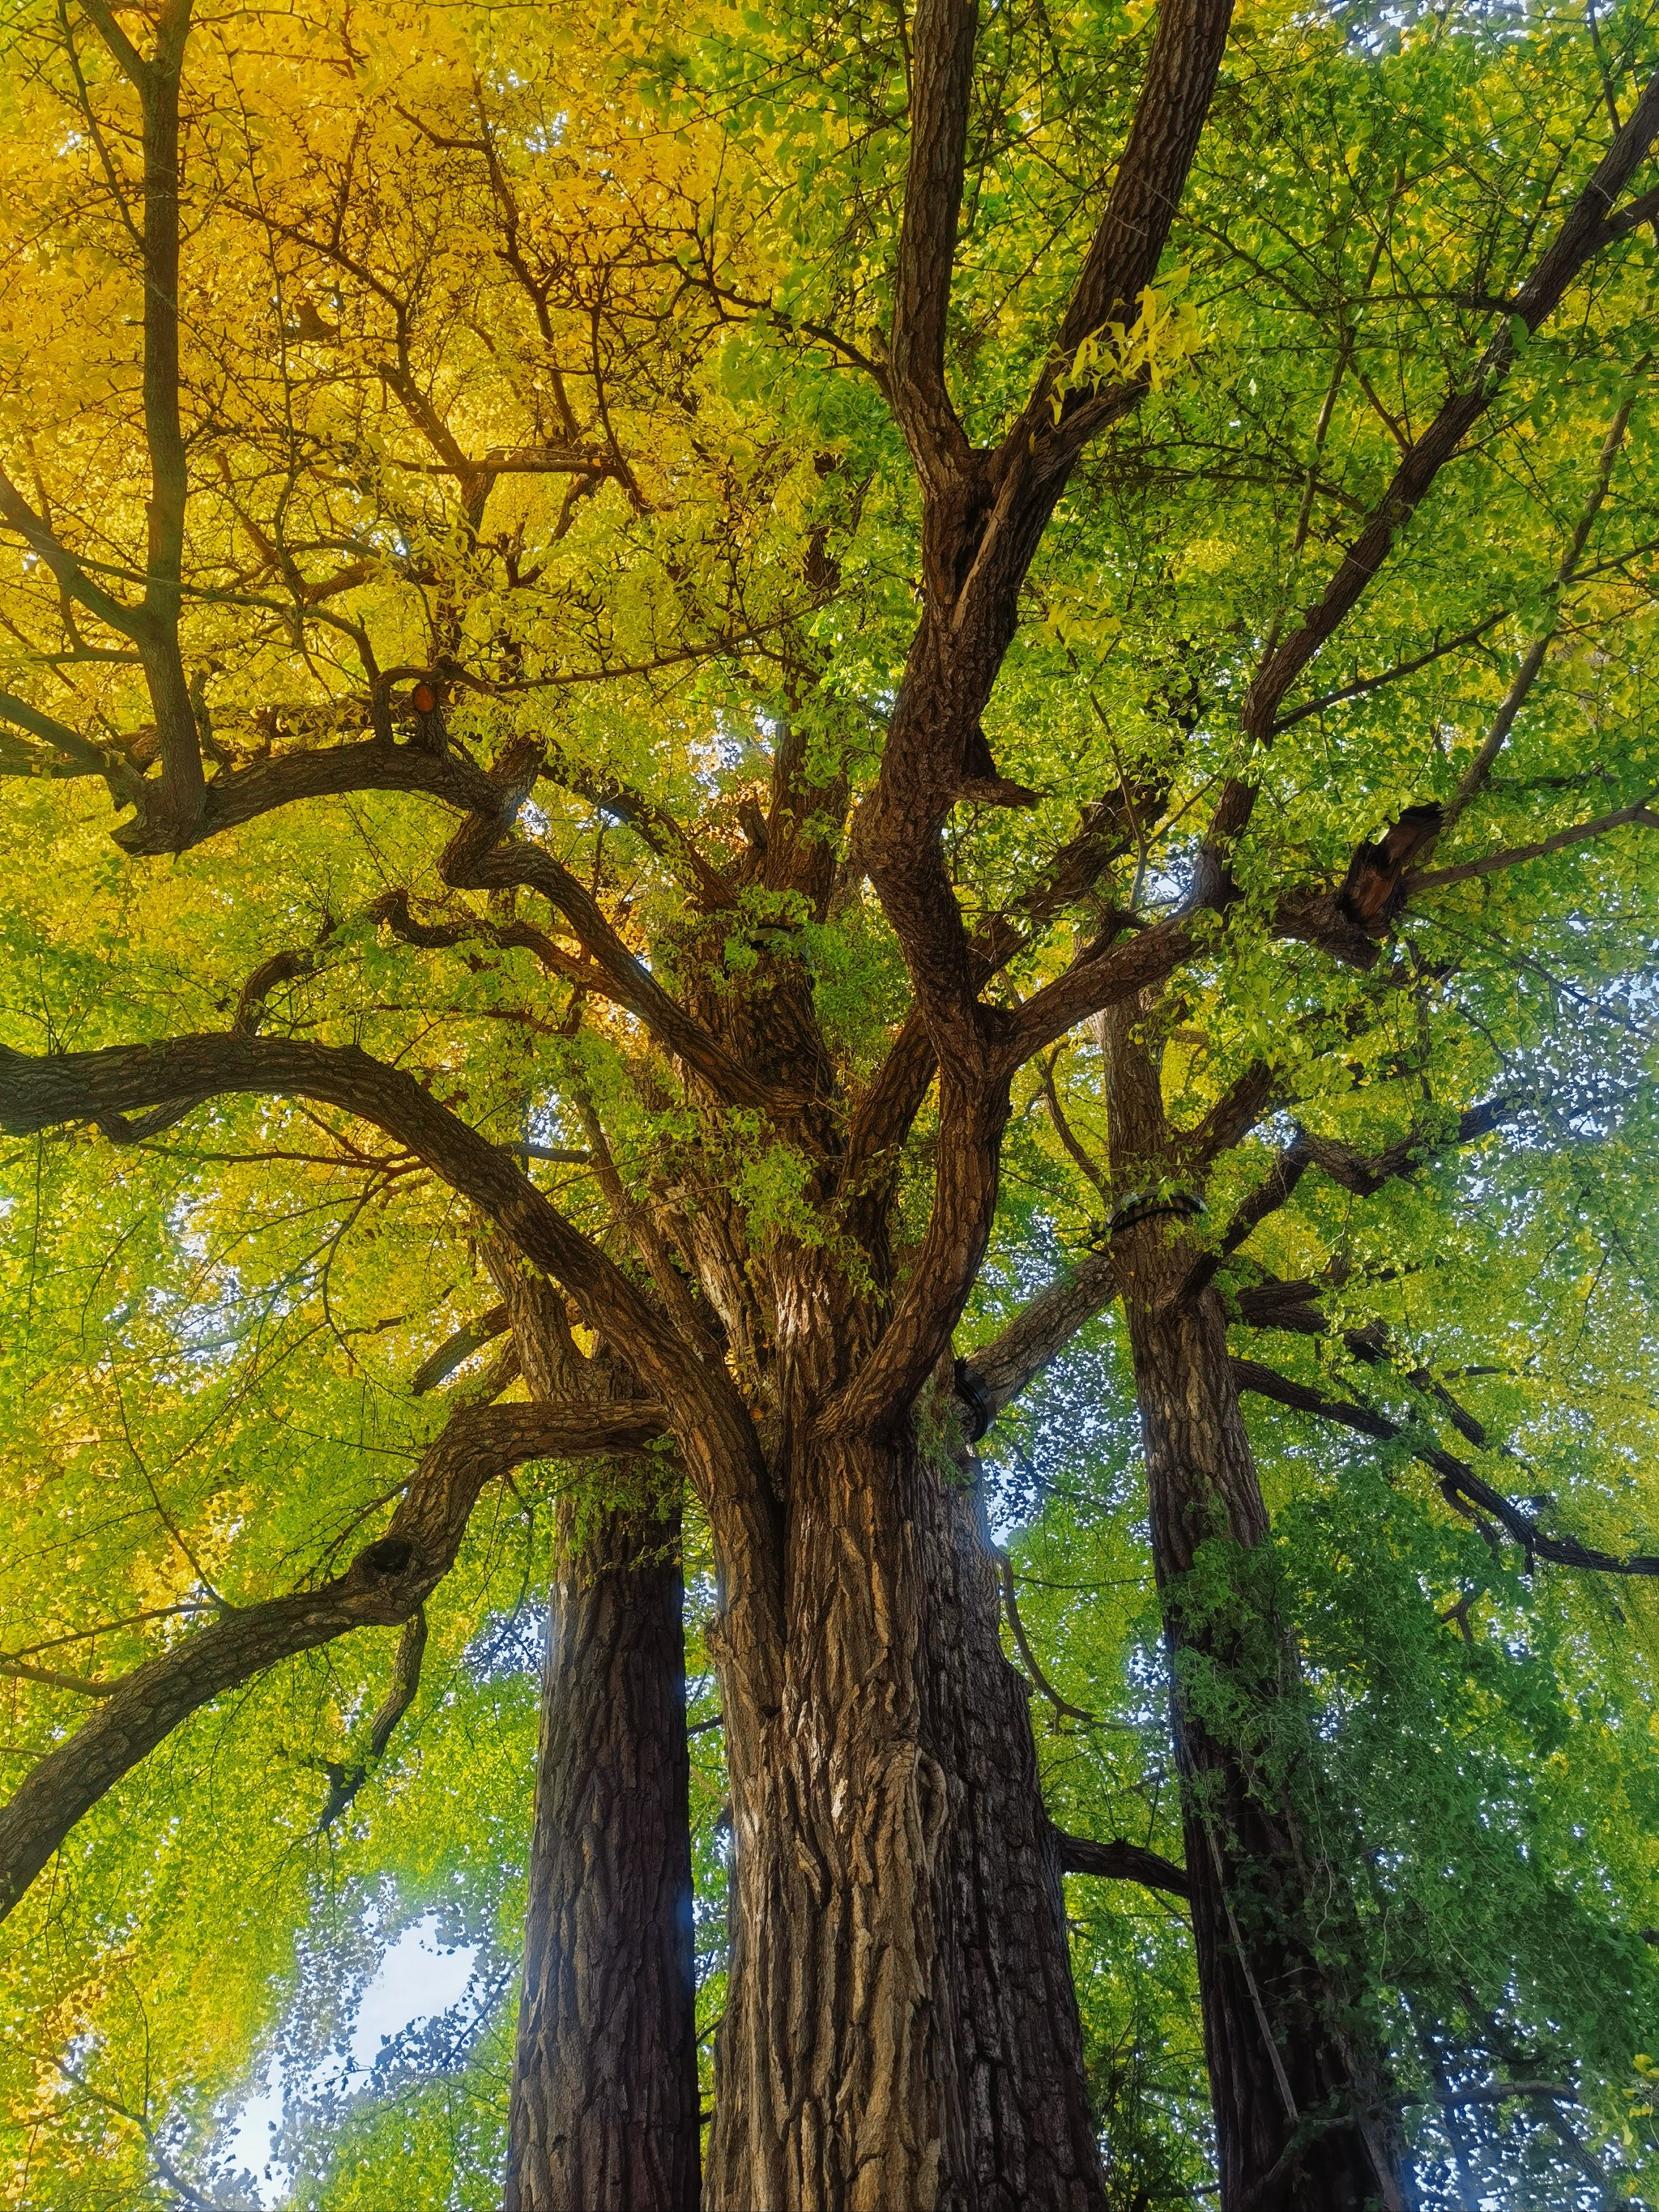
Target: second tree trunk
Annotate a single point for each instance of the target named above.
(604, 2112)
(1302, 2118)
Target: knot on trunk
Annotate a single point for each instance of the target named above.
(1373, 891)
(979, 1410)
(983, 783)
(387, 1558)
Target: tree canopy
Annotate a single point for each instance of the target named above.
(629, 660)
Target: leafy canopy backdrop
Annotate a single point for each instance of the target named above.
(833, 854)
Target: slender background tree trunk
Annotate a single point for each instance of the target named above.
(1301, 2115)
(603, 2114)
(1302, 2119)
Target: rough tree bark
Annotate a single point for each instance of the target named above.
(1302, 2121)
(901, 2028)
(603, 2115)
(603, 2112)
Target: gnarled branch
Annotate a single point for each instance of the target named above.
(942, 71)
(1120, 1861)
(1127, 246)
(387, 1582)
(483, 854)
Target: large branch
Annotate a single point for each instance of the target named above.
(1120, 1861)
(1293, 1307)
(882, 1119)
(706, 1414)
(182, 780)
(154, 627)
(392, 908)
(244, 794)
(941, 72)
(1127, 246)
(1114, 968)
(1230, 1121)
(896, 1091)
(345, 1780)
(1101, 976)
(1275, 1189)
(946, 1265)
(1000, 1371)
(982, 520)
(455, 1350)
(80, 756)
(1460, 1485)
(1641, 816)
(387, 1582)
(62, 566)
(485, 853)
(973, 1112)
(104, 1087)
(901, 1083)
(972, 1116)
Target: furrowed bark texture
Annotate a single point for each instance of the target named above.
(1302, 2123)
(603, 2115)
(901, 2029)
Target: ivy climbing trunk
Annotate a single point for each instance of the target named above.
(603, 2115)
(901, 2029)
(1302, 2118)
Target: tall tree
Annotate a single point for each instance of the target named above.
(1171, 424)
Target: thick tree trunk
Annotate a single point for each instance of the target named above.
(1302, 2122)
(604, 2114)
(900, 2031)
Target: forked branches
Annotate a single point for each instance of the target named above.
(1464, 1489)
(1582, 233)
(705, 1408)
